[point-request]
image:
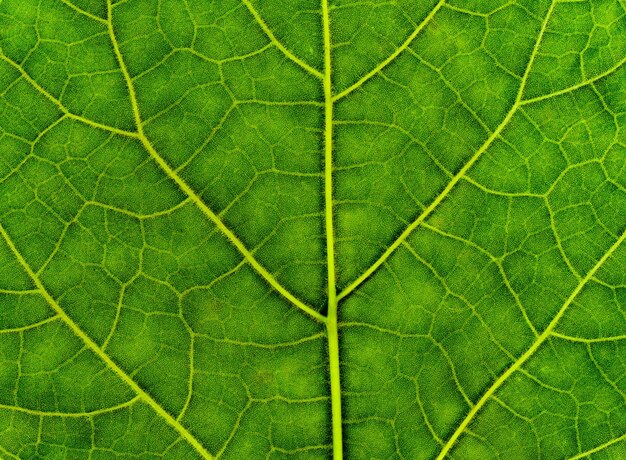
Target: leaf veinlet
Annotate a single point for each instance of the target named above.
(530, 352)
(451, 429)
(100, 353)
(186, 189)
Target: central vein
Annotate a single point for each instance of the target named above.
(331, 323)
(328, 158)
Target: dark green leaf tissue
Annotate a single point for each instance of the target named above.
(312, 229)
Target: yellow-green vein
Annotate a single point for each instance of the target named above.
(606, 445)
(83, 12)
(530, 351)
(331, 323)
(95, 348)
(60, 105)
(573, 88)
(187, 190)
(93, 413)
(459, 175)
(7, 453)
(257, 17)
(393, 55)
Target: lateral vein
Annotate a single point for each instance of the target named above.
(95, 348)
(257, 17)
(606, 445)
(393, 55)
(60, 105)
(40, 413)
(582, 84)
(548, 332)
(458, 176)
(84, 13)
(187, 190)
(6, 452)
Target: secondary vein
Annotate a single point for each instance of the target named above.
(187, 190)
(548, 332)
(83, 12)
(603, 446)
(393, 55)
(257, 17)
(95, 348)
(60, 105)
(458, 176)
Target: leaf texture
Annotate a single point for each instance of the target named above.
(312, 229)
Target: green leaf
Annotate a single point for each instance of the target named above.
(312, 229)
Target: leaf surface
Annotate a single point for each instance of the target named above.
(312, 229)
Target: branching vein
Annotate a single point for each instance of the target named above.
(257, 17)
(457, 177)
(93, 346)
(60, 105)
(187, 190)
(545, 335)
(393, 55)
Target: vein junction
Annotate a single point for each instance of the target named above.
(330, 320)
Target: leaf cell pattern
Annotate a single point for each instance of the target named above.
(312, 229)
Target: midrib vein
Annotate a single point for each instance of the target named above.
(328, 158)
(331, 318)
(462, 172)
(193, 196)
(93, 346)
(531, 350)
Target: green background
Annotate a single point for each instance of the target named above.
(311, 229)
